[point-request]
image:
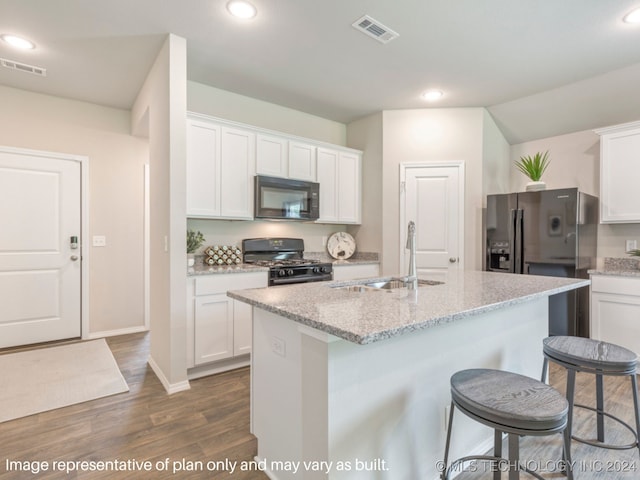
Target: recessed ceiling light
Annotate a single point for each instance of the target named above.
(241, 9)
(432, 95)
(633, 16)
(18, 42)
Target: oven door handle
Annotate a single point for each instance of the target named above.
(289, 281)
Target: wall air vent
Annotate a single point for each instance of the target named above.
(375, 29)
(23, 67)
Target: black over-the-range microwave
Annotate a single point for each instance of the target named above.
(286, 199)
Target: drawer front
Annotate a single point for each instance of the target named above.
(617, 285)
(221, 283)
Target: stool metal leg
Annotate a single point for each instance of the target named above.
(634, 387)
(514, 456)
(600, 406)
(545, 366)
(497, 452)
(444, 475)
(568, 470)
(571, 387)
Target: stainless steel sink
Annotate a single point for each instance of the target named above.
(385, 285)
(399, 283)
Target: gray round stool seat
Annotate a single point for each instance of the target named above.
(509, 403)
(577, 354)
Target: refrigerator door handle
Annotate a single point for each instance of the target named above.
(518, 241)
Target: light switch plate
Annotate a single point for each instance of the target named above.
(631, 245)
(99, 241)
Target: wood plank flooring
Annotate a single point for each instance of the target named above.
(209, 422)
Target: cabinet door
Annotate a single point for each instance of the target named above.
(349, 197)
(271, 155)
(203, 169)
(213, 328)
(242, 327)
(619, 192)
(327, 177)
(302, 161)
(238, 157)
(616, 319)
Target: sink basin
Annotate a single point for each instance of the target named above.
(396, 283)
(386, 285)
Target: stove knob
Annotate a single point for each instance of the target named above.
(316, 269)
(325, 269)
(290, 272)
(281, 273)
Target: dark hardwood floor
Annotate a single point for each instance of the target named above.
(208, 423)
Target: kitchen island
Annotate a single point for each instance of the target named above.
(354, 382)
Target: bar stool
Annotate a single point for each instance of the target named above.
(508, 403)
(578, 354)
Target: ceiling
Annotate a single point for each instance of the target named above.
(541, 68)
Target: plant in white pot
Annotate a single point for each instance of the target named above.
(534, 167)
(194, 242)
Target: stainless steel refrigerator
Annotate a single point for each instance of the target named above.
(550, 232)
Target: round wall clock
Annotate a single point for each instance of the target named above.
(341, 245)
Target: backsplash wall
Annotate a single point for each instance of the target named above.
(228, 232)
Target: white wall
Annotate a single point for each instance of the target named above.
(160, 110)
(575, 162)
(437, 135)
(230, 106)
(116, 159)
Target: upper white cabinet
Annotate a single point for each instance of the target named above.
(619, 159)
(339, 175)
(272, 156)
(220, 170)
(302, 161)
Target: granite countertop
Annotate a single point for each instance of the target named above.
(374, 315)
(625, 267)
(358, 258)
(202, 269)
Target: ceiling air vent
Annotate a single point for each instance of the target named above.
(375, 29)
(23, 67)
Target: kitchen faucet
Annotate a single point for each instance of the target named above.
(412, 278)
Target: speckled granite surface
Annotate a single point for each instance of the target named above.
(625, 266)
(374, 315)
(358, 258)
(201, 269)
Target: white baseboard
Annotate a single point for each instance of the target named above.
(169, 387)
(113, 333)
(266, 471)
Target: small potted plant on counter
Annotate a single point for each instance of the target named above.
(194, 242)
(534, 167)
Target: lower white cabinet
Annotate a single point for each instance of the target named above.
(342, 273)
(219, 327)
(615, 310)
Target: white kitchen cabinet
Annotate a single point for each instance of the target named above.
(203, 169)
(272, 156)
(220, 170)
(339, 175)
(619, 192)
(615, 310)
(302, 161)
(219, 327)
(342, 273)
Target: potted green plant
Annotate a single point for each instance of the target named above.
(534, 167)
(195, 239)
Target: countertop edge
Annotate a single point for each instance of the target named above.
(397, 331)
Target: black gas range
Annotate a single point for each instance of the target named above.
(285, 259)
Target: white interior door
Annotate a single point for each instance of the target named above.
(40, 270)
(434, 200)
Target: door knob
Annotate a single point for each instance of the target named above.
(74, 258)
(453, 259)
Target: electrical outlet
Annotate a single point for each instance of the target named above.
(99, 241)
(631, 245)
(278, 346)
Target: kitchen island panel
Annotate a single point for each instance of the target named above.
(382, 403)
